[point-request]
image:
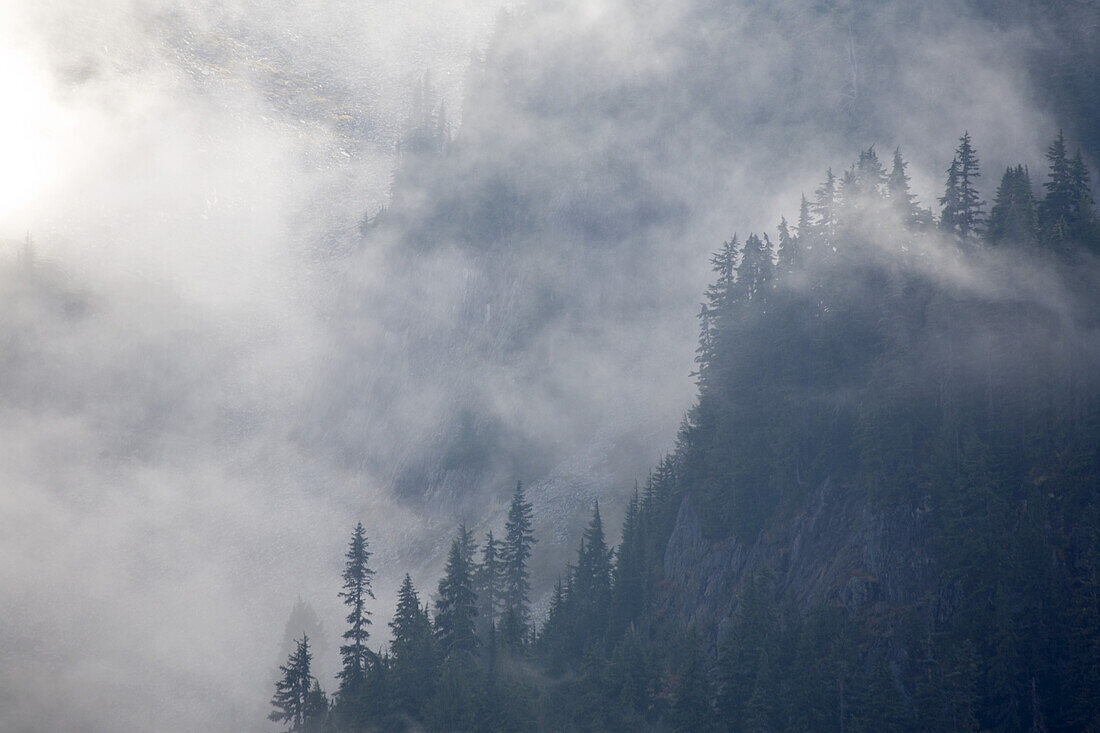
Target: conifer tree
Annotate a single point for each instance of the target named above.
(592, 578)
(805, 226)
(897, 188)
(518, 539)
(298, 701)
(412, 650)
(456, 606)
(825, 210)
(789, 251)
(627, 589)
(489, 583)
(357, 589)
(1057, 206)
(951, 199)
(1013, 217)
(756, 269)
(1066, 213)
(870, 173)
(692, 708)
(962, 206)
(704, 353)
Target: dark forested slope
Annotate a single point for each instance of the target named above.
(881, 514)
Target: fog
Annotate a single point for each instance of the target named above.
(254, 308)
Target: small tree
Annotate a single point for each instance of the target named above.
(299, 701)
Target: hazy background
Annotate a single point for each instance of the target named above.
(300, 264)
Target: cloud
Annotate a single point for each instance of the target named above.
(209, 374)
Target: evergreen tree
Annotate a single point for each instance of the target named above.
(951, 201)
(1013, 219)
(755, 271)
(518, 540)
(456, 606)
(805, 226)
(1058, 204)
(298, 701)
(870, 174)
(357, 588)
(1065, 213)
(692, 705)
(962, 206)
(825, 210)
(897, 189)
(412, 651)
(789, 251)
(627, 586)
(592, 581)
(489, 583)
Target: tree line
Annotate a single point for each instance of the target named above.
(842, 353)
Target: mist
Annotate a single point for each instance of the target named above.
(249, 301)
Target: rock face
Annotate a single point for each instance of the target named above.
(838, 550)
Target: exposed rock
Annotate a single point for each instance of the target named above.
(838, 550)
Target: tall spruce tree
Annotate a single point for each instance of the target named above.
(1013, 219)
(518, 539)
(897, 188)
(962, 205)
(489, 583)
(789, 252)
(756, 270)
(1057, 206)
(825, 211)
(299, 701)
(412, 651)
(456, 606)
(805, 226)
(628, 577)
(356, 590)
(592, 581)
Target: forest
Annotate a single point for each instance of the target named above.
(915, 391)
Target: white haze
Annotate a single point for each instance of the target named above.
(194, 175)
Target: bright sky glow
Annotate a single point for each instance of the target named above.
(28, 127)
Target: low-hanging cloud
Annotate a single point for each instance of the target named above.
(209, 374)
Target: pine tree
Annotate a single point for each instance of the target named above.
(897, 188)
(755, 271)
(412, 650)
(316, 709)
(1085, 227)
(692, 707)
(592, 580)
(825, 210)
(1057, 206)
(790, 249)
(962, 206)
(297, 703)
(870, 174)
(951, 201)
(518, 539)
(456, 606)
(1013, 219)
(628, 578)
(805, 226)
(1065, 213)
(357, 588)
(489, 577)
